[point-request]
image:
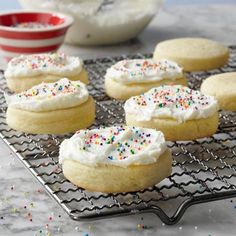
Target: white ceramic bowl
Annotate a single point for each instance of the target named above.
(99, 22)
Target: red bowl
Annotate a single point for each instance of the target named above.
(27, 32)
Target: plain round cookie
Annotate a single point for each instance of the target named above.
(125, 91)
(115, 179)
(20, 84)
(193, 54)
(174, 131)
(52, 122)
(223, 88)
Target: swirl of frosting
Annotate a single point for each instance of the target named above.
(50, 96)
(143, 71)
(120, 146)
(48, 63)
(175, 102)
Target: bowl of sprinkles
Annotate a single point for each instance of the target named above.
(28, 32)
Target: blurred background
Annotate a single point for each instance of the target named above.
(13, 4)
(129, 30)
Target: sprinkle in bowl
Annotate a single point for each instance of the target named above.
(28, 32)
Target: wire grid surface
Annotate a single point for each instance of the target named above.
(203, 170)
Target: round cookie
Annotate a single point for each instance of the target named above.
(26, 71)
(223, 88)
(115, 159)
(51, 108)
(128, 78)
(179, 112)
(193, 54)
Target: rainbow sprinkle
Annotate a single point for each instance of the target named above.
(135, 142)
(63, 86)
(40, 61)
(182, 98)
(141, 68)
(32, 25)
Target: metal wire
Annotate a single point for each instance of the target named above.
(203, 170)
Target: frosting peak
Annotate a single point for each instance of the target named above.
(48, 63)
(50, 96)
(176, 102)
(144, 71)
(120, 146)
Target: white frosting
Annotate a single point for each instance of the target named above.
(120, 146)
(176, 102)
(144, 71)
(50, 96)
(38, 64)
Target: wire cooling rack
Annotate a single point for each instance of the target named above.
(203, 170)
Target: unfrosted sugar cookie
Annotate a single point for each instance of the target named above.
(115, 159)
(25, 71)
(51, 108)
(128, 78)
(179, 112)
(193, 54)
(223, 88)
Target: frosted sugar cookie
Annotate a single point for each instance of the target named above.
(193, 54)
(115, 159)
(128, 78)
(179, 112)
(223, 88)
(25, 71)
(51, 108)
